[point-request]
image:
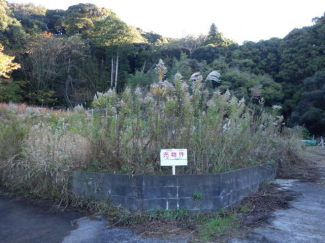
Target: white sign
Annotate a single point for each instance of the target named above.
(173, 157)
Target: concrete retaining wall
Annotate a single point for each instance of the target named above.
(147, 193)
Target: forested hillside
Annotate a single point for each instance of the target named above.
(65, 57)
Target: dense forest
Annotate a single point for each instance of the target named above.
(63, 57)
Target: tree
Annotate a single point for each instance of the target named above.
(142, 79)
(216, 38)
(271, 91)
(116, 37)
(208, 53)
(9, 90)
(6, 63)
(80, 18)
(10, 28)
(153, 38)
(43, 65)
(53, 18)
(302, 52)
(6, 17)
(310, 110)
(49, 64)
(181, 66)
(32, 17)
(191, 42)
(73, 85)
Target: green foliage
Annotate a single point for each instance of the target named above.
(300, 53)
(53, 17)
(153, 38)
(111, 31)
(245, 65)
(11, 91)
(272, 91)
(243, 84)
(6, 17)
(10, 28)
(211, 123)
(52, 67)
(220, 64)
(208, 53)
(142, 79)
(6, 64)
(310, 110)
(79, 19)
(43, 98)
(218, 226)
(32, 17)
(94, 73)
(75, 68)
(216, 38)
(245, 208)
(181, 66)
(196, 196)
(303, 132)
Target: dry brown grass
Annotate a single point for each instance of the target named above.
(305, 166)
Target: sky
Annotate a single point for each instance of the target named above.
(240, 20)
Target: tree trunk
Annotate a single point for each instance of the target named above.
(144, 66)
(112, 72)
(67, 83)
(116, 72)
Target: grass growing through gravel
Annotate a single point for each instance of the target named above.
(217, 227)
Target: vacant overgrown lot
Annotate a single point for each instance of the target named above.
(40, 147)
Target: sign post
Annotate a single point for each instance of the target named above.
(173, 157)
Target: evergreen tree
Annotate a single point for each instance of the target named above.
(216, 38)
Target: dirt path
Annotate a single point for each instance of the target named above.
(304, 221)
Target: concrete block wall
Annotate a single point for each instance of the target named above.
(147, 193)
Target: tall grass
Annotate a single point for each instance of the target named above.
(39, 148)
(220, 132)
